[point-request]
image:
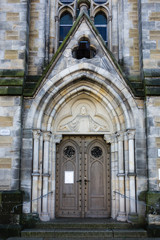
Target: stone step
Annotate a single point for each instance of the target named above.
(84, 233)
(79, 238)
(93, 224)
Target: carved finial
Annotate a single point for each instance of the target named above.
(83, 5)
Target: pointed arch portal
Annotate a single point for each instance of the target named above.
(83, 101)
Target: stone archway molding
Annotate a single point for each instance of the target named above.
(113, 93)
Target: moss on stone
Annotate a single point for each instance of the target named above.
(11, 82)
(8, 90)
(153, 202)
(152, 72)
(142, 196)
(11, 73)
(152, 91)
(152, 82)
(134, 78)
(29, 220)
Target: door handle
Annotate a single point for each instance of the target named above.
(80, 181)
(85, 181)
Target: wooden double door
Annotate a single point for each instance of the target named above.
(83, 177)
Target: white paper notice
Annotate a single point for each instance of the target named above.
(69, 177)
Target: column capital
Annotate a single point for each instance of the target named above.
(57, 138)
(36, 133)
(47, 136)
(120, 136)
(109, 138)
(130, 133)
(109, 18)
(56, 19)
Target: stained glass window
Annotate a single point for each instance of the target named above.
(100, 1)
(66, 22)
(67, 1)
(100, 22)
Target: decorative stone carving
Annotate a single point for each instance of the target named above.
(57, 138)
(83, 122)
(36, 134)
(130, 133)
(110, 138)
(47, 136)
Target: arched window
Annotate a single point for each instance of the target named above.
(67, 1)
(100, 22)
(66, 22)
(100, 1)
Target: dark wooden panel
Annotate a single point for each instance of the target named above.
(68, 192)
(89, 159)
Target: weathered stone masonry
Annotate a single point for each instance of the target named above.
(40, 82)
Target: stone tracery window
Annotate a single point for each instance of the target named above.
(100, 22)
(66, 22)
(67, 1)
(100, 1)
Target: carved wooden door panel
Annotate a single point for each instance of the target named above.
(83, 177)
(98, 174)
(67, 174)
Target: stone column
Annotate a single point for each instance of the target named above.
(47, 30)
(109, 33)
(55, 139)
(45, 214)
(35, 173)
(121, 175)
(112, 140)
(131, 173)
(57, 33)
(126, 164)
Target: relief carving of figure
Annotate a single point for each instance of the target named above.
(82, 123)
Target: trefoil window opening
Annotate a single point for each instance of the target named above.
(84, 50)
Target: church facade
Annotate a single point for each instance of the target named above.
(80, 108)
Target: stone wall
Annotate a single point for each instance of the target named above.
(41, 34)
(128, 35)
(153, 137)
(151, 35)
(13, 29)
(10, 142)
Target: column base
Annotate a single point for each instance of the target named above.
(44, 217)
(122, 217)
(133, 217)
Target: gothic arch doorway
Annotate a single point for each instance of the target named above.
(83, 177)
(87, 106)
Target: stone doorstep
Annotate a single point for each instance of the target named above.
(79, 238)
(66, 233)
(81, 225)
(94, 233)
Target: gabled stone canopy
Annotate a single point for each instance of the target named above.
(99, 75)
(83, 27)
